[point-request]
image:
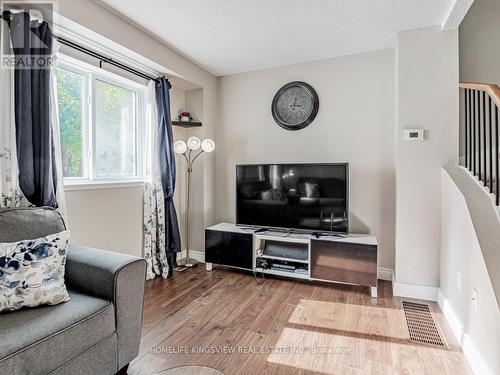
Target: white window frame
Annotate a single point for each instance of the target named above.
(91, 74)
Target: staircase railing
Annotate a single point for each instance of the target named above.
(480, 135)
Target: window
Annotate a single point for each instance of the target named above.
(70, 92)
(100, 124)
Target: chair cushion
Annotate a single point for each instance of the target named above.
(51, 336)
(26, 223)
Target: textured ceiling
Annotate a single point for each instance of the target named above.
(232, 36)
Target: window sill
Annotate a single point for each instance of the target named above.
(90, 185)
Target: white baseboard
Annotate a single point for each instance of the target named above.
(471, 352)
(384, 274)
(427, 293)
(193, 254)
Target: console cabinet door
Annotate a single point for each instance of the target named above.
(229, 248)
(344, 262)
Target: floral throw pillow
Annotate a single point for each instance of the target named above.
(32, 272)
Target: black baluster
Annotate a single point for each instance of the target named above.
(496, 155)
(466, 120)
(474, 133)
(491, 146)
(479, 174)
(484, 141)
(470, 129)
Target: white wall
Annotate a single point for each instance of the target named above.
(477, 331)
(108, 219)
(95, 220)
(427, 97)
(479, 38)
(355, 123)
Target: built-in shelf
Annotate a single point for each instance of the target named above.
(186, 124)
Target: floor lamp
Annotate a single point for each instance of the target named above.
(191, 149)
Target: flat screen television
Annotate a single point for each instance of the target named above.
(306, 197)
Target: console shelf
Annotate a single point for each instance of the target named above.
(283, 273)
(284, 238)
(284, 259)
(347, 259)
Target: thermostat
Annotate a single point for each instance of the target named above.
(414, 135)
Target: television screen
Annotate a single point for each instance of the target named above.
(311, 197)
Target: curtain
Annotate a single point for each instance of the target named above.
(166, 164)
(34, 133)
(10, 192)
(161, 229)
(154, 203)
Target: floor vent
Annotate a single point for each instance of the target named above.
(421, 325)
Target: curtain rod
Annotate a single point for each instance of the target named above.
(99, 56)
(103, 58)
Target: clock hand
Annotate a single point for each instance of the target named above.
(294, 105)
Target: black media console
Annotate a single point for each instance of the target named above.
(349, 259)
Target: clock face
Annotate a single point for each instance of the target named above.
(295, 105)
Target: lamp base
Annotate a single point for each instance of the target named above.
(189, 262)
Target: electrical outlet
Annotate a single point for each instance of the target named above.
(459, 281)
(474, 299)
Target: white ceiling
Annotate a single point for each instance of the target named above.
(233, 36)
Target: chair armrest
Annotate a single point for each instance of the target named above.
(117, 278)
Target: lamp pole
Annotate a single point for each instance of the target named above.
(188, 262)
(180, 147)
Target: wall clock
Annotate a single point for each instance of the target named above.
(295, 105)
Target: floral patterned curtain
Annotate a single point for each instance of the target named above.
(154, 201)
(10, 192)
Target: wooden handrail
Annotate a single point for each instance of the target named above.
(492, 90)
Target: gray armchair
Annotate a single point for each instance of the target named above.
(96, 332)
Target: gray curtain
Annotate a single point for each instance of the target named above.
(34, 136)
(166, 160)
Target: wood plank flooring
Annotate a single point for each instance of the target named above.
(223, 319)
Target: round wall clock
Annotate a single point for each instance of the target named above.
(295, 105)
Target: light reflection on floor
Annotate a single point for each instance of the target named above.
(331, 338)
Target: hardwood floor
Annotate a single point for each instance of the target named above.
(223, 319)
